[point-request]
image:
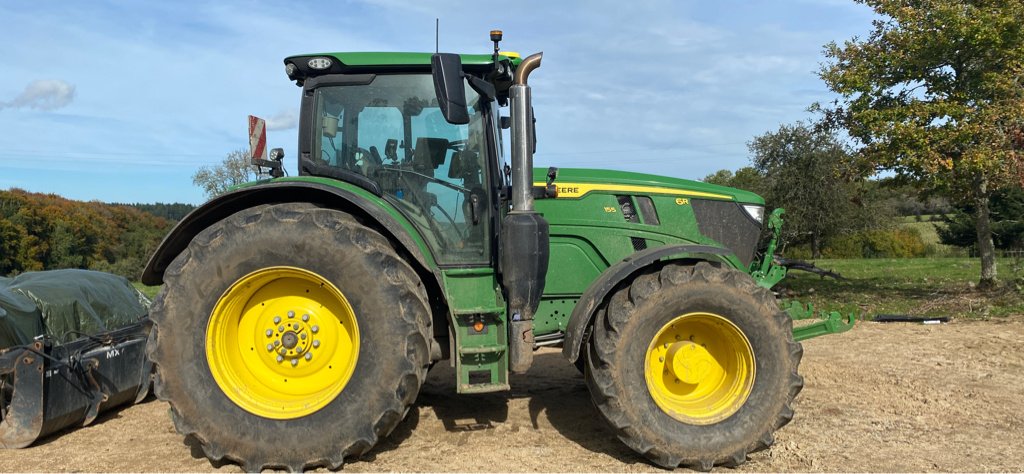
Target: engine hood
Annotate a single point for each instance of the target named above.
(576, 182)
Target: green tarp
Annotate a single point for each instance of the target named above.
(66, 305)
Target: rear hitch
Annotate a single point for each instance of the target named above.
(829, 322)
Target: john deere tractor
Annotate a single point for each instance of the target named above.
(299, 315)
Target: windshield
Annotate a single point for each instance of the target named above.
(392, 132)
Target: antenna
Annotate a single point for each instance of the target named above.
(437, 32)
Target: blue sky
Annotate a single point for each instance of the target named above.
(123, 101)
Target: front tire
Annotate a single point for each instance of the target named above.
(693, 365)
(289, 336)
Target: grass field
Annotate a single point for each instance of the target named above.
(919, 286)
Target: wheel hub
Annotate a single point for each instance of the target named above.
(690, 362)
(292, 338)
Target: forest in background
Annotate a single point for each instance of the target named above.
(47, 231)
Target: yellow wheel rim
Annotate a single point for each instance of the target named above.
(699, 368)
(282, 342)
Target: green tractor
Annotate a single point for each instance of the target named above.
(299, 315)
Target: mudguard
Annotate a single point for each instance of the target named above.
(600, 289)
(280, 192)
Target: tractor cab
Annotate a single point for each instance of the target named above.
(386, 133)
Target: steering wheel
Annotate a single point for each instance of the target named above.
(364, 161)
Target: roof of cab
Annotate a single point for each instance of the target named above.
(356, 59)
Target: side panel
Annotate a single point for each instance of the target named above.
(591, 233)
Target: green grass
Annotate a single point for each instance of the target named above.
(919, 286)
(149, 291)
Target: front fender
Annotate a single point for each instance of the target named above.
(602, 287)
(286, 191)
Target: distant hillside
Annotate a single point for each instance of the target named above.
(47, 231)
(173, 212)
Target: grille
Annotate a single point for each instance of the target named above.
(728, 224)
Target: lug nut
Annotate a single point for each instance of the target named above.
(280, 358)
(291, 314)
(309, 356)
(280, 329)
(270, 332)
(296, 326)
(305, 317)
(316, 343)
(283, 351)
(295, 362)
(302, 336)
(277, 343)
(270, 347)
(277, 319)
(315, 328)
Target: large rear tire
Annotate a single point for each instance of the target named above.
(694, 366)
(289, 336)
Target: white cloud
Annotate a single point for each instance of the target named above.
(43, 94)
(284, 120)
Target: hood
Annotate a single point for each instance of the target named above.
(627, 181)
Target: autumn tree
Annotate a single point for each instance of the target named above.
(235, 169)
(46, 232)
(935, 94)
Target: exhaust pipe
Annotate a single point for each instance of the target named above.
(524, 234)
(522, 135)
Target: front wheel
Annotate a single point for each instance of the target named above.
(693, 365)
(289, 336)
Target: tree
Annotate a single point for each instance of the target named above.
(935, 94)
(746, 178)
(1007, 212)
(803, 171)
(235, 169)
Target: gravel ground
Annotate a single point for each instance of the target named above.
(883, 397)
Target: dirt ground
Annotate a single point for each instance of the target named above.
(883, 397)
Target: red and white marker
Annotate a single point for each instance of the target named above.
(257, 138)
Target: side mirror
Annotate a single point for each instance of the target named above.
(450, 88)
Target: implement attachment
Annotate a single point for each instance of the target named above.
(829, 322)
(45, 388)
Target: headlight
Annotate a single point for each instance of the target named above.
(319, 63)
(754, 211)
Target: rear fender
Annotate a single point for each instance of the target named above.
(287, 191)
(610, 279)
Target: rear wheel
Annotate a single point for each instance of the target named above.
(289, 336)
(693, 365)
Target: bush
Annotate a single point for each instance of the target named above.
(878, 243)
(893, 243)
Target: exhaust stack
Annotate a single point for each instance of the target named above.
(522, 135)
(524, 234)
